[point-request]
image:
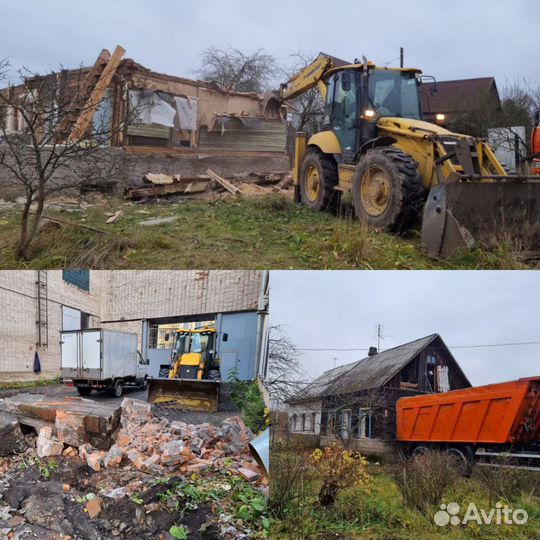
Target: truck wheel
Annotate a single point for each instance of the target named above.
(318, 176)
(387, 190)
(84, 391)
(117, 389)
(463, 458)
(419, 451)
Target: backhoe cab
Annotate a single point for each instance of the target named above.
(375, 145)
(192, 378)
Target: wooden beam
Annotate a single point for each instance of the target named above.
(85, 118)
(222, 182)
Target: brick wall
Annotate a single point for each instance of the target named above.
(113, 296)
(138, 294)
(18, 328)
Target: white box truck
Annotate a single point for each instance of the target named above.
(98, 359)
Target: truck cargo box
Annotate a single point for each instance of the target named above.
(501, 413)
(99, 354)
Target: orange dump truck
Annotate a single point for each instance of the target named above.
(484, 420)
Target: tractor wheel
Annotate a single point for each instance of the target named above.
(387, 190)
(318, 176)
(84, 391)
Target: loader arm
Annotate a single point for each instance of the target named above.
(308, 78)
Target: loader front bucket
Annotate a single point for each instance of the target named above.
(462, 214)
(187, 394)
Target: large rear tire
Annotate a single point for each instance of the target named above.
(83, 391)
(387, 190)
(318, 177)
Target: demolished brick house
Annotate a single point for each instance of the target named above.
(181, 126)
(355, 403)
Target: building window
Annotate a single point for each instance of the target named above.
(303, 422)
(79, 278)
(312, 426)
(324, 423)
(293, 422)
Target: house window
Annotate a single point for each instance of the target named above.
(364, 423)
(324, 423)
(346, 424)
(303, 422)
(79, 278)
(431, 363)
(293, 422)
(312, 424)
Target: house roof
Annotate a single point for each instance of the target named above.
(368, 373)
(453, 96)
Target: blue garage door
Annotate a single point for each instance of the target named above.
(238, 352)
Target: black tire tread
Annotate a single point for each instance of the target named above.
(412, 194)
(329, 179)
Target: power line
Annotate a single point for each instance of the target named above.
(512, 344)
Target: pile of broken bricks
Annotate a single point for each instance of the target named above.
(151, 444)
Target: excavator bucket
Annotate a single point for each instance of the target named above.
(188, 394)
(462, 214)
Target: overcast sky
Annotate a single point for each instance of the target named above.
(449, 40)
(341, 309)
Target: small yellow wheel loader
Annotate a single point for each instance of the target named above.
(375, 145)
(192, 379)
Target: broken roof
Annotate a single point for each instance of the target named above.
(368, 373)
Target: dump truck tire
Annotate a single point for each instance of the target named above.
(387, 190)
(318, 176)
(84, 391)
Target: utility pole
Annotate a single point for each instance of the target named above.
(401, 57)
(334, 361)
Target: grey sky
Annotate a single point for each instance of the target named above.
(449, 40)
(324, 309)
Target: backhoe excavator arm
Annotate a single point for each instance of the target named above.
(308, 78)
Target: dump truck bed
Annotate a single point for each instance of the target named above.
(501, 413)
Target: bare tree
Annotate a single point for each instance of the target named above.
(353, 416)
(35, 151)
(234, 70)
(284, 371)
(308, 108)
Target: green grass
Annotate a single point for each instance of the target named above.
(28, 384)
(269, 232)
(379, 512)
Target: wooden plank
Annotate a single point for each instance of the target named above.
(186, 185)
(85, 119)
(222, 182)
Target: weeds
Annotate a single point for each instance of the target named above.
(247, 397)
(423, 479)
(505, 482)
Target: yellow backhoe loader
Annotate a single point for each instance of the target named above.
(192, 379)
(375, 145)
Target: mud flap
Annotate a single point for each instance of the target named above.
(458, 215)
(187, 394)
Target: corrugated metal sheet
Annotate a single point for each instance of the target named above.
(155, 131)
(267, 136)
(370, 372)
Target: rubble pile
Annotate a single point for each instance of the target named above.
(154, 475)
(161, 447)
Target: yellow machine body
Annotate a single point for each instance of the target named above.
(465, 192)
(188, 385)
